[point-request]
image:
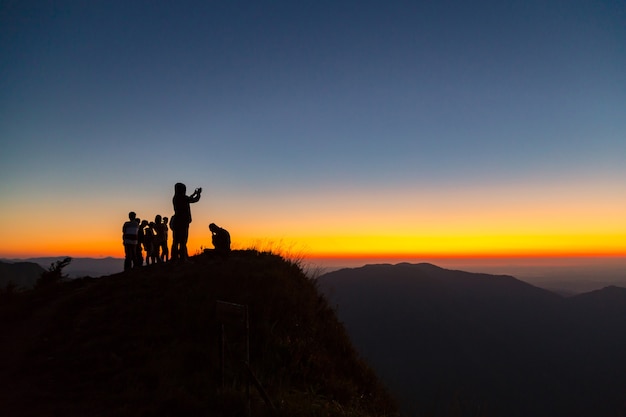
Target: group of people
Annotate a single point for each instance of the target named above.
(152, 237)
(139, 236)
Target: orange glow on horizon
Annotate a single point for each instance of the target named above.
(495, 246)
(570, 218)
(355, 246)
(492, 256)
(399, 256)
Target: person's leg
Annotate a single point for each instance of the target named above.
(175, 245)
(164, 252)
(139, 256)
(155, 253)
(129, 256)
(183, 236)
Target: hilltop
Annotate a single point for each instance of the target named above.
(147, 343)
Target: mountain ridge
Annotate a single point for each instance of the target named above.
(493, 344)
(80, 266)
(21, 274)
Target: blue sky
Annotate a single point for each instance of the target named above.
(277, 108)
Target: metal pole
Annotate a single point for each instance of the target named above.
(223, 354)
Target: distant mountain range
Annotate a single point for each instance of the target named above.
(457, 343)
(23, 272)
(20, 274)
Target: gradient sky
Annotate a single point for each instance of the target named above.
(340, 127)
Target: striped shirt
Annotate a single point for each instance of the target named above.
(129, 232)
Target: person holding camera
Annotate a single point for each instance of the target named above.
(182, 215)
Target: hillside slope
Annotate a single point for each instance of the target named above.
(147, 343)
(453, 343)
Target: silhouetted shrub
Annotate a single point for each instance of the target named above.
(54, 274)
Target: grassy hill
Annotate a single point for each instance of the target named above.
(148, 343)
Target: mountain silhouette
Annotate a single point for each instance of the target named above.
(80, 267)
(456, 343)
(19, 274)
(153, 342)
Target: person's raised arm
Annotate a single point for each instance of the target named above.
(195, 196)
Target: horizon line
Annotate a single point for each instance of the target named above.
(374, 256)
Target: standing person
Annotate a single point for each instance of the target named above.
(141, 235)
(129, 237)
(174, 252)
(149, 236)
(159, 237)
(182, 211)
(165, 253)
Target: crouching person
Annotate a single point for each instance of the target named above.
(221, 240)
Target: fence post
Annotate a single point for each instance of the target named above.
(236, 314)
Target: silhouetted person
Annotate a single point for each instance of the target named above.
(141, 236)
(159, 237)
(174, 252)
(182, 211)
(148, 243)
(129, 237)
(220, 239)
(165, 252)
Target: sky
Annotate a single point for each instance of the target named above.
(340, 128)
